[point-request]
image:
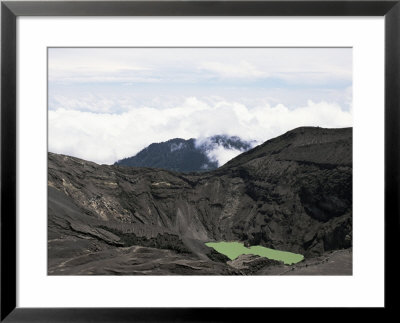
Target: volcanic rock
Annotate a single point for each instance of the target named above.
(292, 193)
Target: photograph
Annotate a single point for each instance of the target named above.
(188, 161)
(199, 161)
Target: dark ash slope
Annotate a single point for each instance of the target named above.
(292, 193)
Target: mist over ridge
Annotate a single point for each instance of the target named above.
(192, 155)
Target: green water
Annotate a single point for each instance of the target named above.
(234, 249)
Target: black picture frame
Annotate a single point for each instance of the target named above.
(10, 10)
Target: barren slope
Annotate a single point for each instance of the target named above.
(291, 193)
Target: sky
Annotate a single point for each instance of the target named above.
(105, 104)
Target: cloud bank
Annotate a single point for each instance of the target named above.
(106, 104)
(107, 137)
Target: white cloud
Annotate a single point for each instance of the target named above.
(99, 73)
(242, 69)
(218, 153)
(223, 155)
(106, 137)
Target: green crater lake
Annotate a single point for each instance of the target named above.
(234, 249)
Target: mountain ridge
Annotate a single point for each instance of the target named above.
(181, 155)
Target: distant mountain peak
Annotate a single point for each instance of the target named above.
(189, 155)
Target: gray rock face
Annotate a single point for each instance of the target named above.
(250, 264)
(291, 193)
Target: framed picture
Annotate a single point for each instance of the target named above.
(166, 160)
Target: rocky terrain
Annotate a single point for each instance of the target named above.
(292, 193)
(182, 155)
